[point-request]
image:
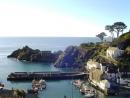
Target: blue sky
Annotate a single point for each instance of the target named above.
(60, 17)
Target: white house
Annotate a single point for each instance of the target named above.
(93, 64)
(114, 52)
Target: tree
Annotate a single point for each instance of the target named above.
(101, 35)
(119, 27)
(110, 29)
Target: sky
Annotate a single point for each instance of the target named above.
(61, 18)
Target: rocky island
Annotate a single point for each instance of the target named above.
(29, 54)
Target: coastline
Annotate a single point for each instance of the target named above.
(22, 66)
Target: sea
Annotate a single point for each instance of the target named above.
(55, 89)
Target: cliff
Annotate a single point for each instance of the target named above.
(74, 56)
(29, 54)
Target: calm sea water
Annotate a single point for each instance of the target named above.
(55, 89)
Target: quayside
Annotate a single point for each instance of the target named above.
(15, 76)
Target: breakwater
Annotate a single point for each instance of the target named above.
(45, 75)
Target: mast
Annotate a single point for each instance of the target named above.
(72, 87)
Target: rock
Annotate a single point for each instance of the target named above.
(73, 56)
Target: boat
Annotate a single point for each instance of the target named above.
(90, 94)
(1, 85)
(77, 83)
(38, 84)
(84, 89)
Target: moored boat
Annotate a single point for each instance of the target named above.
(1, 85)
(84, 89)
(77, 83)
(38, 84)
(90, 94)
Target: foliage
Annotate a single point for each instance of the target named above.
(110, 29)
(119, 27)
(87, 45)
(124, 36)
(122, 42)
(101, 35)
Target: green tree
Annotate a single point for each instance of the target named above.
(119, 27)
(101, 35)
(110, 29)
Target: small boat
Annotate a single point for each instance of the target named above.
(77, 83)
(39, 84)
(1, 85)
(90, 94)
(84, 89)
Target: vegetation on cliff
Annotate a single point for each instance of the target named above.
(123, 42)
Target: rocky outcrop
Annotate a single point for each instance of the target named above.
(74, 57)
(28, 54)
(124, 44)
